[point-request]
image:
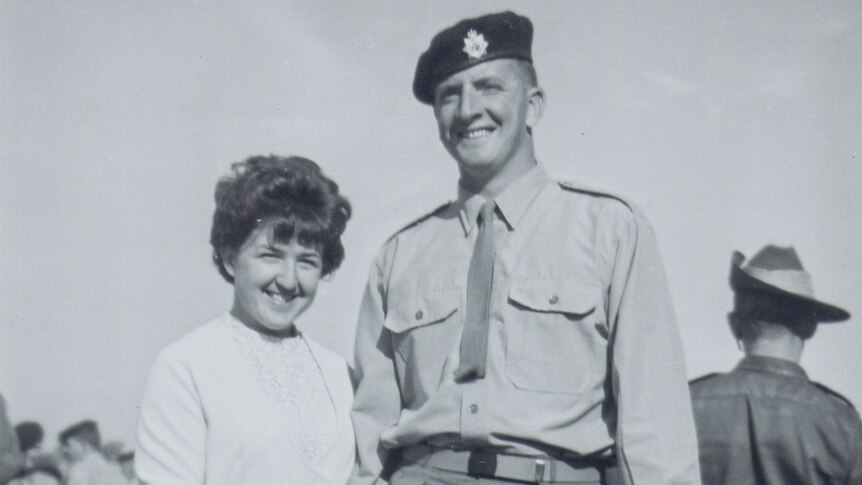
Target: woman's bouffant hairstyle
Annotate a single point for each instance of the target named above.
(289, 193)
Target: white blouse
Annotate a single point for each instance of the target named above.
(229, 405)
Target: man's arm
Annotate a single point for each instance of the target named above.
(377, 403)
(655, 434)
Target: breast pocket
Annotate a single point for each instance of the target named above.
(424, 328)
(556, 337)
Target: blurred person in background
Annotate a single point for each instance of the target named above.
(11, 458)
(247, 398)
(127, 465)
(81, 446)
(39, 475)
(765, 422)
(30, 435)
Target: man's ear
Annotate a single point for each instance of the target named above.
(535, 106)
(733, 325)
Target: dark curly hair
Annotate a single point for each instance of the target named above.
(292, 195)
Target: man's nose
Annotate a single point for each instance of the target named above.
(468, 104)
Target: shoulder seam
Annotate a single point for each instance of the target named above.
(420, 219)
(598, 193)
(834, 394)
(704, 377)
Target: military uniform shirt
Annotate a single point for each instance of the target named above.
(583, 347)
(766, 423)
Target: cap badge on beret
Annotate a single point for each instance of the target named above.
(475, 45)
(501, 35)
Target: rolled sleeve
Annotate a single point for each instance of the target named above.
(655, 434)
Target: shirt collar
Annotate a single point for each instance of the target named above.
(512, 202)
(761, 363)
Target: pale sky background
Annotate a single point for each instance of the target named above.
(731, 124)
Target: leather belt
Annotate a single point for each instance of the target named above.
(511, 467)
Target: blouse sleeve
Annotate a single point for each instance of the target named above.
(171, 439)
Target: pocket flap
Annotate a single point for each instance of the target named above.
(420, 308)
(555, 295)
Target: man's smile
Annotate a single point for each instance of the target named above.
(475, 134)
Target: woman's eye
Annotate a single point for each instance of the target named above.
(311, 262)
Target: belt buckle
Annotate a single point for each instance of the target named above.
(482, 463)
(539, 471)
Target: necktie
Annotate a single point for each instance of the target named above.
(474, 336)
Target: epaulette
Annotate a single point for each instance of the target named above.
(589, 191)
(420, 219)
(704, 377)
(834, 394)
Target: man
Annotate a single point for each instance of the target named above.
(765, 422)
(81, 444)
(524, 332)
(38, 475)
(30, 434)
(11, 458)
(127, 466)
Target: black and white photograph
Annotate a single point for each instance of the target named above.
(435, 242)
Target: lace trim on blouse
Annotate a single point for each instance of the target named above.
(290, 376)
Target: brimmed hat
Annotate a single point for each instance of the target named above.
(778, 271)
(87, 430)
(470, 42)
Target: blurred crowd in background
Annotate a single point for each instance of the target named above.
(77, 457)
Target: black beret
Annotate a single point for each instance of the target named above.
(470, 42)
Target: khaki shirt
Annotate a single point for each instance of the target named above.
(583, 347)
(767, 423)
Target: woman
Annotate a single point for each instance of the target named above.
(246, 398)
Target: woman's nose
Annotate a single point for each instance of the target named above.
(287, 277)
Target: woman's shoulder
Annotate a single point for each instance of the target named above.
(202, 340)
(327, 357)
(321, 351)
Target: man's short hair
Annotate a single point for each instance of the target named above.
(761, 314)
(529, 72)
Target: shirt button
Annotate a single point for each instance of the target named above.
(553, 299)
(419, 315)
(474, 409)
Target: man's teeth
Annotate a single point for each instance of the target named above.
(472, 134)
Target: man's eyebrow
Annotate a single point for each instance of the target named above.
(447, 88)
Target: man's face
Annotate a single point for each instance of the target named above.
(74, 449)
(483, 115)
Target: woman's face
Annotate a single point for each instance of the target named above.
(273, 282)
